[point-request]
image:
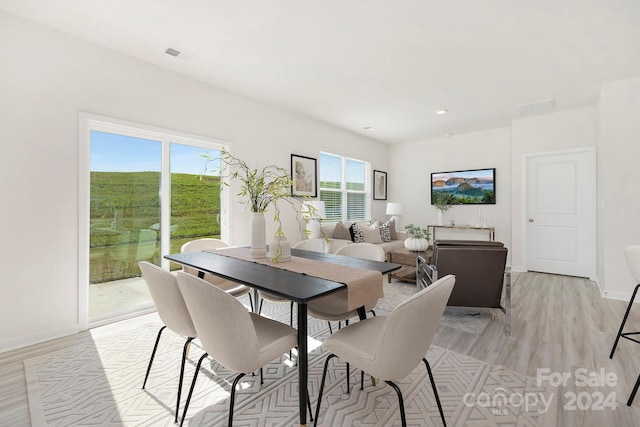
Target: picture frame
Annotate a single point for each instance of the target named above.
(379, 185)
(304, 176)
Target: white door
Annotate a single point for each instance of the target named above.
(560, 213)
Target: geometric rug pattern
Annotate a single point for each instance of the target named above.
(97, 382)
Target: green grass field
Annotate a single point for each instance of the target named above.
(123, 203)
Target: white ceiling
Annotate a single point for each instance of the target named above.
(380, 63)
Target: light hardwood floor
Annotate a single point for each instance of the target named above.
(559, 323)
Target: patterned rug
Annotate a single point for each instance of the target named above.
(96, 382)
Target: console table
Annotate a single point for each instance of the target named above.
(491, 230)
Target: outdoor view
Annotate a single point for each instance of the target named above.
(332, 170)
(125, 203)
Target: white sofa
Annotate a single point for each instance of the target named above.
(338, 238)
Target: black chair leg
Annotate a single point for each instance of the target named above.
(324, 376)
(184, 358)
(330, 330)
(624, 320)
(348, 386)
(361, 380)
(193, 385)
(250, 301)
(233, 398)
(153, 354)
(435, 391)
(309, 405)
(260, 306)
(633, 393)
(400, 402)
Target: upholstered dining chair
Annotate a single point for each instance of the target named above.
(333, 307)
(173, 312)
(239, 340)
(632, 255)
(390, 347)
(208, 243)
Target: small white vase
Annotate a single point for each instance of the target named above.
(279, 249)
(416, 245)
(258, 235)
(440, 218)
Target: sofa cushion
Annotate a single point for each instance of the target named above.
(385, 232)
(357, 236)
(392, 228)
(341, 231)
(371, 233)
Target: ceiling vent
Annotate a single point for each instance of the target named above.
(178, 53)
(539, 107)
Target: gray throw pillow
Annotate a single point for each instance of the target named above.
(341, 232)
(392, 229)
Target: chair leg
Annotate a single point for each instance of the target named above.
(348, 386)
(309, 405)
(193, 385)
(233, 398)
(250, 302)
(324, 376)
(260, 306)
(185, 350)
(153, 354)
(624, 320)
(330, 330)
(361, 380)
(435, 391)
(400, 402)
(291, 315)
(633, 393)
(261, 377)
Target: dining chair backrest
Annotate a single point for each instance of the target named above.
(632, 254)
(409, 329)
(203, 244)
(168, 299)
(364, 251)
(313, 245)
(224, 325)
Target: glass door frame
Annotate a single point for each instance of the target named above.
(89, 122)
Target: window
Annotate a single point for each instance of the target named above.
(344, 188)
(142, 199)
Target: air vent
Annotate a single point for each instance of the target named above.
(173, 52)
(539, 107)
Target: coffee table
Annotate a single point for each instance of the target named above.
(408, 259)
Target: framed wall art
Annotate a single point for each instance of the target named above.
(304, 176)
(379, 185)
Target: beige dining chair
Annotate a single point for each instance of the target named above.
(390, 347)
(239, 340)
(333, 307)
(173, 312)
(206, 244)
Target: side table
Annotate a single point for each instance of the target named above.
(408, 259)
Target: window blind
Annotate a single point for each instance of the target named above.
(343, 188)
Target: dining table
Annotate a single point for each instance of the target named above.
(294, 284)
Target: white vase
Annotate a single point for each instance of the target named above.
(258, 235)
(279, 249)
(440, 218)
(416, 245)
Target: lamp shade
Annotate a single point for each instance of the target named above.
(318, 207)
(394, 208)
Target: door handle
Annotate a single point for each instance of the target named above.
(530, 219)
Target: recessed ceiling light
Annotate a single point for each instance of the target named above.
(441, 112)
(367, 128)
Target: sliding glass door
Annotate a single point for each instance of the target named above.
(145, 198)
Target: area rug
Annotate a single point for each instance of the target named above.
(97, 382)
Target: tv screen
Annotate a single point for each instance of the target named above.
(468, 187)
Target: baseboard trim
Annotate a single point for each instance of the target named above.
(617, 295)
(27, 340)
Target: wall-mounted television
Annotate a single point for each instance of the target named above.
(466, 187)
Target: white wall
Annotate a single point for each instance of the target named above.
(412, 163)
(46, 79)
(550, 132)
(619, 178)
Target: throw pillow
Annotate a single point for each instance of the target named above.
(371, 233)
(392, 229)
(356, 233)
(385, 232)
(341, 232)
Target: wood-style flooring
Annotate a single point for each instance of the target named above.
(559, 323)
